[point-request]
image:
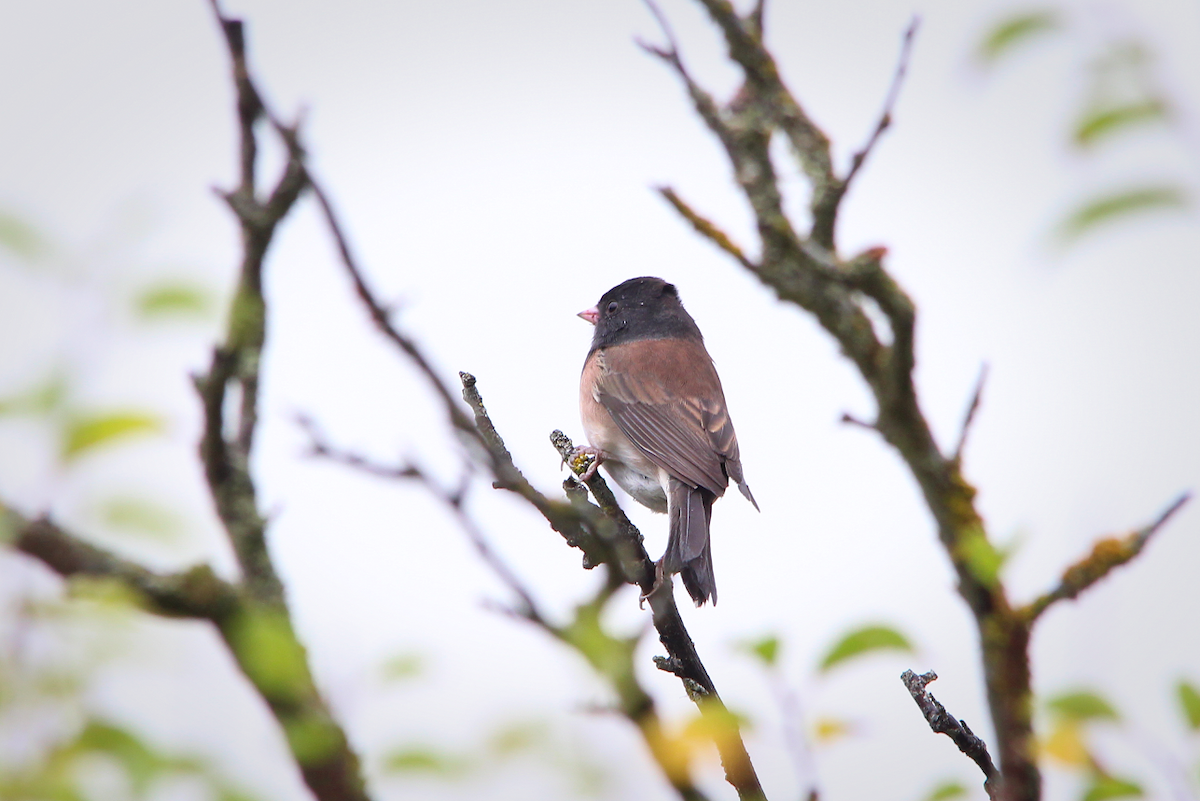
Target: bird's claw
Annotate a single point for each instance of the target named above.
(660, 579)
(579, 458)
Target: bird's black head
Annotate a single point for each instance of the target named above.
(642, 308)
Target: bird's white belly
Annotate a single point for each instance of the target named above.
(646, 490)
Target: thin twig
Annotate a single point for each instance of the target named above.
(454, 500)
(195, 593)
(889, 103)
(943, 722)
(379, 315)
(621, 548)
(1106, 554)
(706, 228)
(851, 420)
(972, 408)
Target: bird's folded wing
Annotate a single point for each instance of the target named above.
(674, 434)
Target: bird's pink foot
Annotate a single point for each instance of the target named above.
(660, 579)
(579, 454)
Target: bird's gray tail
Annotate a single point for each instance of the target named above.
(689, 549)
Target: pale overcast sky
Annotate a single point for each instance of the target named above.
(495, 164)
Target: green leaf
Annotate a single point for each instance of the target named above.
(174, 299)
(142, 763)
(946, 790)
(862, 641)
(1189, 702)
(983, 559)
(85, 432)
(402, 666)
(1101, 122)
(1009, 32)
(827, 729)
(1121, 204)
(40, 399)
(20, 237)
(1082, 705)
(140, 516)
(518, 737)
(765, 648)
(1104, 787)
(422, 759)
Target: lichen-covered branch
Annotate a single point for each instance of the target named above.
(611, 657)
(195, 593)
(260, 633)
(957, 730)
(622, 550)
(807, 270)
(251, 615)
(1106, 555)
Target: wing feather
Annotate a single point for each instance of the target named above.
(673, 409)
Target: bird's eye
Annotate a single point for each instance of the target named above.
(612, 307)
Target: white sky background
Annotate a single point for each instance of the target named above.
(494, 165)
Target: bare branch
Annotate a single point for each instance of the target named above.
(611, 657)
(809, 143)
(889, 103)
(1106, 554)
(809, 273)
(454, 500)
(973, 407)
(196, 593)
(331, 772)
(615, 541)
(706, 228)
(851, 420)
(379, 315)
(943, 722)
(226, 462)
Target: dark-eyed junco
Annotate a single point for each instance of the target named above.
(654, 413)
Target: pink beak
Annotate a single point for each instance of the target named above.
(591, 315)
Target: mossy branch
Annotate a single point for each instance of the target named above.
(1106, 555)
(807, 270)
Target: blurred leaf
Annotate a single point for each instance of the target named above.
(827, 729)
(1009, 32)
(983, 559)
(20, 237)
(715, 724)
(1189, 702)
(39, 399)
(1101, 122)
(766, 649)
(270, 654)
(231, 794)
(312, 739)
(1066, 744)
(946, 790)
(1121, 204)
(1104, 787)
(85, 432)
(174, 299)
(862, 641)
(402, 666)
(142, 763)
(1083, 705)
(422, 759)
(140, 516)
(611, 656)
(518, 737)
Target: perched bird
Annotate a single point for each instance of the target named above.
(654, 413)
